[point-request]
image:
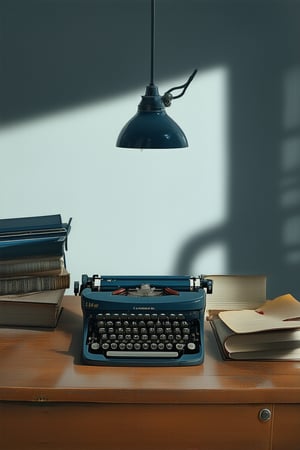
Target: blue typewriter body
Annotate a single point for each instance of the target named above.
(143, 320)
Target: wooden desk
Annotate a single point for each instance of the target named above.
(49, 400)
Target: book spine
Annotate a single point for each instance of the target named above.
(32, 284)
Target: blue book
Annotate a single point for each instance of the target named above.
(33, 236)
(21, 248)
(28, 227)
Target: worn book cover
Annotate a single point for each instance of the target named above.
(36, 309)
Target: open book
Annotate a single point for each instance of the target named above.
(270, 332)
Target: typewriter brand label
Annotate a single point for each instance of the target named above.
(144, 308)
(91, 305)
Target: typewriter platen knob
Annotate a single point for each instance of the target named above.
(207, 284)
(76, 287)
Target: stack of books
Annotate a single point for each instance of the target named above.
(33, 273)
(247, 326)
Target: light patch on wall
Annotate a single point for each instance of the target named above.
(132, 211)
(213, 259)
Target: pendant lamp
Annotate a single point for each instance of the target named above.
(151, 127)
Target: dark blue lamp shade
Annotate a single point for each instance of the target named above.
(151, 127)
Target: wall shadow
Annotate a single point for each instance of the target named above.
(59, 54)
(257, 41)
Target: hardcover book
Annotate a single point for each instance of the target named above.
(37, 309)
(33, 236)
(33, 226)
(20, 248)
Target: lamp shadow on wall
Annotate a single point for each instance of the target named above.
(61, 54)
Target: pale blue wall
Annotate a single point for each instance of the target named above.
(72, 76)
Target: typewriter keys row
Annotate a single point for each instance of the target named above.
(143, 335)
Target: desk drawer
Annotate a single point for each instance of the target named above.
(135, 427)
(286, 434)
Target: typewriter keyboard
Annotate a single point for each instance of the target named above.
(143, 335)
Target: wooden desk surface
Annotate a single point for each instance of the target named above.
(42, 365)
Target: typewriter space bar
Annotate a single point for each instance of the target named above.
(137, 354)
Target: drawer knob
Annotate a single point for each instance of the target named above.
(264, 415)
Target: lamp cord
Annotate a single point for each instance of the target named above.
(168, 97)
(183, 86)
(152, 41)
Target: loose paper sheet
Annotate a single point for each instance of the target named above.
(281, 313)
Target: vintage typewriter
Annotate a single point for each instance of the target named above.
(143, 320)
